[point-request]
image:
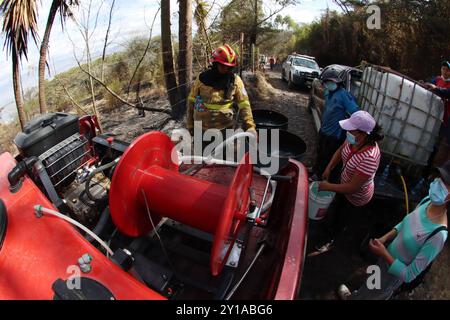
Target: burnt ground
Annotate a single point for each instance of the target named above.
(346, 263)
(126, 124)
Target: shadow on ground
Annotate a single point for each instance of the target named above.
(280, 84)
(347, 262)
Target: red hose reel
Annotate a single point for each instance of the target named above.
(147, 174)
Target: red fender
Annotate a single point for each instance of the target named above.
(38, 251)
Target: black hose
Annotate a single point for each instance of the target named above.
(87, 184)
(87, 202)
(101, 224)
(111, 171)
(16, 174)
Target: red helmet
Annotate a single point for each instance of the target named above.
(225, 55)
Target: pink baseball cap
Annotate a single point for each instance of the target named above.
(360, 120)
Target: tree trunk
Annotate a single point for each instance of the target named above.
(254, 35)
(17, 92)
(43, 54)
(91, 82)
(200, 16)
(241, 54)
(167, 57)
(106, 40)
(185, 54)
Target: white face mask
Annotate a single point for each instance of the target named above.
(331, 86)
(438, 192)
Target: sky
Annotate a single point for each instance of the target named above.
(130, 18)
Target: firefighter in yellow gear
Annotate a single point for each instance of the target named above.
(214, 92)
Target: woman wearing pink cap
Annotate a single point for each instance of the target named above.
(360, 156)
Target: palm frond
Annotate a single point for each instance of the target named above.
(65, 9)
(19, 21)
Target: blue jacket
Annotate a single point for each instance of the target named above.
(339, 105)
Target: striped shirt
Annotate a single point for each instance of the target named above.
(364, 163)
(411, 253)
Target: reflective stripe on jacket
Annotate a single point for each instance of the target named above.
(209, 105)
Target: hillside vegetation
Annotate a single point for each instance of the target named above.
(71, 88)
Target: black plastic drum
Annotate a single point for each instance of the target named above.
(290, 146)
(267, 119)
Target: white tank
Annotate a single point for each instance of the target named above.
(410, 115)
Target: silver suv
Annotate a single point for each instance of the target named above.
(300, 70)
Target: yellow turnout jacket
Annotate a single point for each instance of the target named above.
(209, 105)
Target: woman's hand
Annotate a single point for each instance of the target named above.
(377, 247)
(430, 86)
(323, 186)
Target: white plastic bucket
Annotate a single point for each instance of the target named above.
(318, 202)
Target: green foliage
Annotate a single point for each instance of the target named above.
(411, 31)
(240, 16)
(260, 26)
(7, 134)
(250, 18)
(111, 101)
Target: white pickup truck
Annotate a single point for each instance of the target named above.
(300, 70)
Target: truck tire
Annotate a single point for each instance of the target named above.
(310, 104)
(290, 83)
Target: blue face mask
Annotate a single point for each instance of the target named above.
(351, 138)
(331, 86)
(438, 192)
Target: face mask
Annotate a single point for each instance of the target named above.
(331, 86)
(438, 192)
(351, 138)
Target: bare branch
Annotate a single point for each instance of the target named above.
(84, 30)
(342, 5)
(118, 96)
(73, 47)
(70, 96)
(198, 60)
(210, 8)
(88, 15)
(67, 91)
(218, 14)
(96, 19)
(145, 52)
(106, 39)
(270, 15)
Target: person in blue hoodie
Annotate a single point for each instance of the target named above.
(339, 105)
